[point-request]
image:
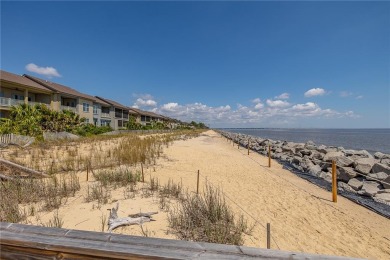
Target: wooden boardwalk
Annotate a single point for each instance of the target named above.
(19, 241)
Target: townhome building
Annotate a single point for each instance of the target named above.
(100, 111)
(119, 113)
(66, 98)
(16, 89)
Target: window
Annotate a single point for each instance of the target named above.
(120, 123)
(19, 97)
(95, 109)
(85, 107)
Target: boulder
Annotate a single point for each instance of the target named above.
(322, 149)
(345, 187)
(355, 183)
(343, 161)
(382, 197)
(346, 173)
(310, 145)
(355, 153)
(386, 183)
(378, 176)
(297, 160)
(332, 155)
(305, 152)
(379, 167)
(316, 155)
(314, 169)
(364, 165)
(379, 155)
(370, 188)
(327, 176)
(385, 161)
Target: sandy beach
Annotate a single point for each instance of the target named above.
(301, 215)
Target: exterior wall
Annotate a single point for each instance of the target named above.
(88, 114)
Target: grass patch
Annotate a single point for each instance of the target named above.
(207, 217)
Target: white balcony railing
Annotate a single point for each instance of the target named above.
(31, 103)
(105, 115)
(7, 102)
(69, 108)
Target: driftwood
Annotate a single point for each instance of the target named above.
(6, 177)
(23, 169)
(135, 219)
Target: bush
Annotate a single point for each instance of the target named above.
(90, 129)
(206, 217)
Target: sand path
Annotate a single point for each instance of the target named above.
(302, 216)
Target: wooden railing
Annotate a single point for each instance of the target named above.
(19, 241)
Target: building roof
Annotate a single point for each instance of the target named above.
(149, 113)
(13, 78)
(64, 89)
(113, 103)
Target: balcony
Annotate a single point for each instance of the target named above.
(105, 115)
(31, 103)
(69, 108)
(8, 102)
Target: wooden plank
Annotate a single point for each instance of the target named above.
(24, 169)
(19, 241)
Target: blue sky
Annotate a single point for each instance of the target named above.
(228, 64)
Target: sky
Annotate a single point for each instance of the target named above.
(224, 63)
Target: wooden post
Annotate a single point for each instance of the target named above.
(248, 144)
(87, 171)
(334, 182)
(197, 184)
(268, 236)
(142, 172)
(269, 155)
(238, 145)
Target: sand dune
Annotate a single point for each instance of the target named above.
(302, 216)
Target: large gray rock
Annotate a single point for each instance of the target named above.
(379, 167)
(355, 183)
(344, 161)
(382, 197)
(345, 187)
(346, 173)
(322, 149)
(378, 176)
(326, 176)
(379, 155)
(386, 183)
(385, 161)
(310, 145)
(370, 188)
(333, 155)
(364, 165)
(355, 153)
(314, 169)
(297, 160)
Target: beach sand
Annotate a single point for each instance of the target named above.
(302, 216)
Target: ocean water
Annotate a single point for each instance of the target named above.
(372, 140)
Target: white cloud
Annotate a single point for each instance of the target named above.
(143, 96)
(345, 94)
(315, 92)
(47, 71)
(277, 103)
(144, 103)
(283, 96)
(259, 106)
(359, 97)
(169, 107)
(307, 106)
(256, 100)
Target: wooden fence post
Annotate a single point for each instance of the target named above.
(142, 171)
(248, 144)
(197, 184)
(334, 182)
(268, 236)
(87, 171)
(269, 155)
